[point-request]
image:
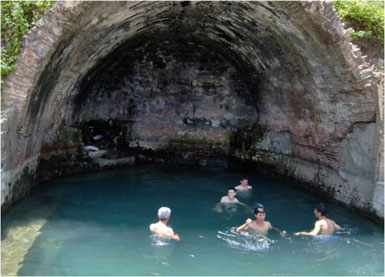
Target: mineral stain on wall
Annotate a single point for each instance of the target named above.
(275, 84)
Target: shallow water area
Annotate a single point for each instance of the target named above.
(98, 224)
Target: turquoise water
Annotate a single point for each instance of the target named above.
(97, 224)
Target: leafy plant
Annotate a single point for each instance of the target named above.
(17, 17)
(367, 17)
(244, 140)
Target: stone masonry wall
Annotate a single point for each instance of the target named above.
(215, 69)
(165, 91)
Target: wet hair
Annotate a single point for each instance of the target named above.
(244, 178)
(259, 208)
(321, 208)
(164, 213)
(232, 188)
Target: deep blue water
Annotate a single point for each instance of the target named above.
(97, 224)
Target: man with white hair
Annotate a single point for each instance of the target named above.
(160, 228)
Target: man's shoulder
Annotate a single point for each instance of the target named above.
(321, 222)
(167, 230)
(170, 229)
(153, 226)
(240, 187)
(331, 221)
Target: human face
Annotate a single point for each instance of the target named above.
(317, 214)
(231, 194)
(244, 182)
(260, 216)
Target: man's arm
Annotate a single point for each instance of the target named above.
(171, 234)
(218, 208)
(281, 233)
(336, 226)
(246, 206)
(176, 237)
(244, 226)
(152, 227)
(313, 233)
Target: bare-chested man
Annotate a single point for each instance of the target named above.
(323, 226)
(244, 185)
(259, 225)
(160, 228)
(229, 199)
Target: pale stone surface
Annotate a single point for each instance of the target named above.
(276, 142)
(378, 199)
(89, 69)
(18, 236)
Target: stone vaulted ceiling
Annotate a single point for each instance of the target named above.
(290, 63)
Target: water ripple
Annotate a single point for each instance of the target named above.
(245, 240)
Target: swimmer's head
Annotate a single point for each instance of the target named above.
(244, 180)
(259, 208)
(231, 192)
(260, 213)
(233, 189)
(321, 208)
(164, 213)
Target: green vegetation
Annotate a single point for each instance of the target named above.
(244, 141)
(365, 17)
(186, 139)
(17, 17)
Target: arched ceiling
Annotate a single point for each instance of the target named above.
(294, 57)
(163, 70)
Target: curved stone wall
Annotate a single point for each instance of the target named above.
(176, 81)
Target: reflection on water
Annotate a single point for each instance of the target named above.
(244, 194)
(16, 245)
(229, 211)
(98, 224)
(159, 241)
(325, 247)
(19, 234)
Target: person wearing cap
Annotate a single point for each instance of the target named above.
(259, 225)
(244, 184)
(161, 228)
(323, 226)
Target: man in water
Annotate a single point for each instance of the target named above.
(229, 199)
(259, 225)
(160, 228)
(244, 186)
(323, 226)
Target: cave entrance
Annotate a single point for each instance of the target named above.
(172, 99)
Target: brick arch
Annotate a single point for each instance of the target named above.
(300, 43)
